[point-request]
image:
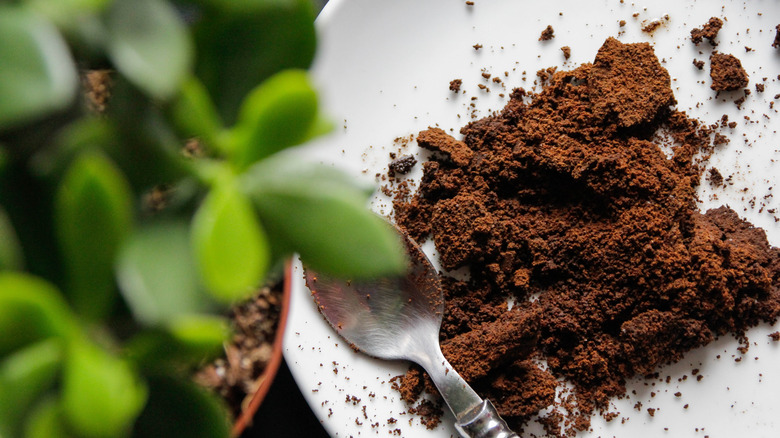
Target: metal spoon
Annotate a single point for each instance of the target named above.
(399, 318)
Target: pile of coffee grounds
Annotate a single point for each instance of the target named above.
(776, 43)
(565, 204)
(709, 31)
(727, 73)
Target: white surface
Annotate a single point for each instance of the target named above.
(384, 69)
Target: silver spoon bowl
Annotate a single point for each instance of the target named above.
(400, 318)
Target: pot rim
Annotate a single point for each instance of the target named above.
(266, 378)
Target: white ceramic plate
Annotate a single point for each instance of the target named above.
(384, 68)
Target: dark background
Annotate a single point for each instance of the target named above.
(284, 412)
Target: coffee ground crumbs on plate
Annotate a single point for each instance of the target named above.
(776, 44)
(698, 63)
(775, 336)
(401, 165)
(566, 52)
(547, 34)
(565, 204)
(455, 85)
(727, 73)
(709, 31)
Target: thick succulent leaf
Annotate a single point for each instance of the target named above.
(279, 113)
(101, 394)
(149, 44)
(190, 339)
(240, 44)
(165, 416)
(24, 376)
(93, 217)
(326, 220)
(157, 274)
(230, 245)
(38, 75)
(11, 256)
(45, 421)
(194, 112)
(31, 310)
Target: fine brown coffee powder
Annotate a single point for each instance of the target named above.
(566, 203)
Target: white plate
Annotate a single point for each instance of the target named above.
(384, 68)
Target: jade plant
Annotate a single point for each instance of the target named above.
(107, 300)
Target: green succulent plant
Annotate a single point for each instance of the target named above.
(106, 306)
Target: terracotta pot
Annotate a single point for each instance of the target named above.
(267, 377)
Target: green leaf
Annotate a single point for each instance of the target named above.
(157, 274)
(263, 40)
(11, 256)
(323, 216)
(149, 44)
(194, 112)
(230, 246)
(31, 310)
(190, 339)
(45, 421)
(165, 416)
(279, 113)
(38, 75)
(101, 394)
(67, 14)
(93, 214)
(87, 133)
(201, 333)
(24, 376)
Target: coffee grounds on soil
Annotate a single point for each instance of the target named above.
(234, 377)
(566, 203)
(727, 73)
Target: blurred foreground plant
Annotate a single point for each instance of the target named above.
(106, 304)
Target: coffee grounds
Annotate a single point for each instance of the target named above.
(547, 34)
(727, 73)
(776, 44)
(455, 85)
(566, 204)
(566, 52)
(709, 30)
(401, 165)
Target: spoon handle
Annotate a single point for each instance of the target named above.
(483, 421)
(475, 418)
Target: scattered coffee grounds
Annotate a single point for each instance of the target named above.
(715, 177)
(455, 85)
(727, 73)
(698, 63)
(430, 413)
(775, 336)
(565, 204)
(235, 376)
(759, 88)
(776, 44)
(547, 34)
(709, 31)
(401, 165)
(566, 52)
